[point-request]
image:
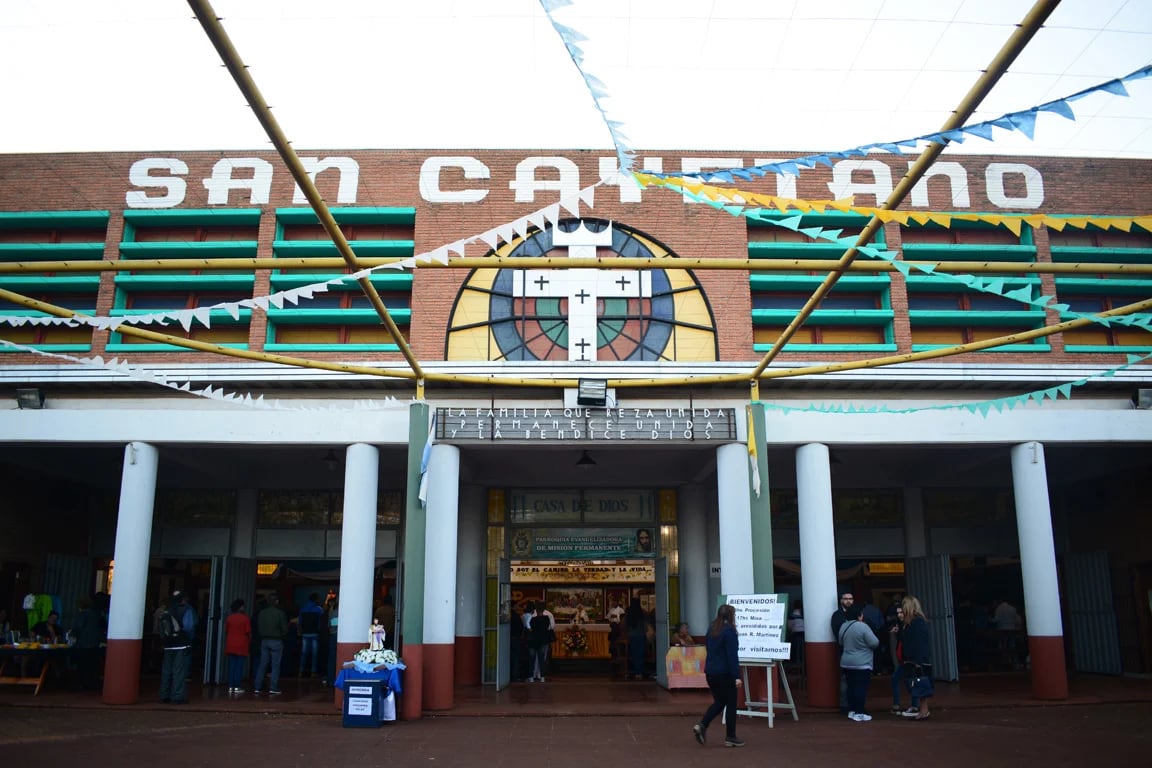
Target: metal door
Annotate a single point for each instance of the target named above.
(504, 658)
(232, 577)
(930, 581)
(662, 633)
(1091, 618)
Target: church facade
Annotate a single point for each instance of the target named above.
(201, 390)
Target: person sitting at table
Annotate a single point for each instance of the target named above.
(682, 636)
(49, 630)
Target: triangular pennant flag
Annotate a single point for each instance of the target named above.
(1115, 87)
(982, 130)
(1023, 294)
(203, 315)
(792, 222)
(588, 196)
(1025, 122)
(1060, 107)
(1065, 389)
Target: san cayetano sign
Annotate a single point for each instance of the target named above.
(591, 424)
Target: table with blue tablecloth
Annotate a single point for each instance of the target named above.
(390, 678)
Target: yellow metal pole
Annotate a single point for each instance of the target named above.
(616, 383)
(223, 44)
(1000, 63)
(563, 262)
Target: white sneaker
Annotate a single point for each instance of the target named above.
(860, 717)
(539, 679)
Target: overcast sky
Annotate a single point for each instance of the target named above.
(761, 75)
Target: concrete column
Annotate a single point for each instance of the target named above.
(440, 576)
(736, 576)
(357, 550)
(818, 573)
(244, 527)
(1038, 567)
(471, 551)
(129, 598)
(915, 524)
(694, 559)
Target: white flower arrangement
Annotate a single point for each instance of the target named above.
(377, 658)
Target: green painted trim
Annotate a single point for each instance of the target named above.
(415, 529)
(981, 252)
(62, 284)
(52, 348)
(370, 215)
(331, 347)
(51, 251)
(814, 249)
(53, 219)
(763, 561)
(327, 248)
(217, 316)
(944, 284)
(1031, 347)
(962, 317)
(1092, 255)
(388, 280)
(153, 217)
(830, 348)
(172, 282)
(121, 347)
(26, 312)
(826, 316)
(237, 249)
(358, 316)
(1103, 285)
(1105, 348)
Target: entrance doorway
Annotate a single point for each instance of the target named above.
(587, 602)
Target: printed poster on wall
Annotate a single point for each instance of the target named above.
(760, 622)
(582, 543)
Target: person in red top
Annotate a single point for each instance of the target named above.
(237, 638)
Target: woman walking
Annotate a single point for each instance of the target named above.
(916, 642)
(722, 670)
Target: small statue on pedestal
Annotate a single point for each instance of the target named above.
(376, 636)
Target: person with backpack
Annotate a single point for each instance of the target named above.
(308, 623)
(177, 630)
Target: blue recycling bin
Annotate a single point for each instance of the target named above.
(362, 702)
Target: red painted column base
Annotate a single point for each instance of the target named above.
(1049, 673)
(439, 675)
(122, 671)
(345, 652)
(412, 699)
(469, 652)
(822, 664)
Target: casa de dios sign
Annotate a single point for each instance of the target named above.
(561, 424)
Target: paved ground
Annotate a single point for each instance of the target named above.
(1098, 736)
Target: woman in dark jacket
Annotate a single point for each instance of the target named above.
(916, 643)
(722, 670)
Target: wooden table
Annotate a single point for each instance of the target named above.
(13, 662)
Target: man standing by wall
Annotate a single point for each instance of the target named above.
(177, 630)
(272, 627)
(309, 621)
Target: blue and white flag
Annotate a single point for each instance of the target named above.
(425, 460)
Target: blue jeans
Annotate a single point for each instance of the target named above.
(235, 670)
(271, 652)
(308, 650)
(897, 684)
(173, 674)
